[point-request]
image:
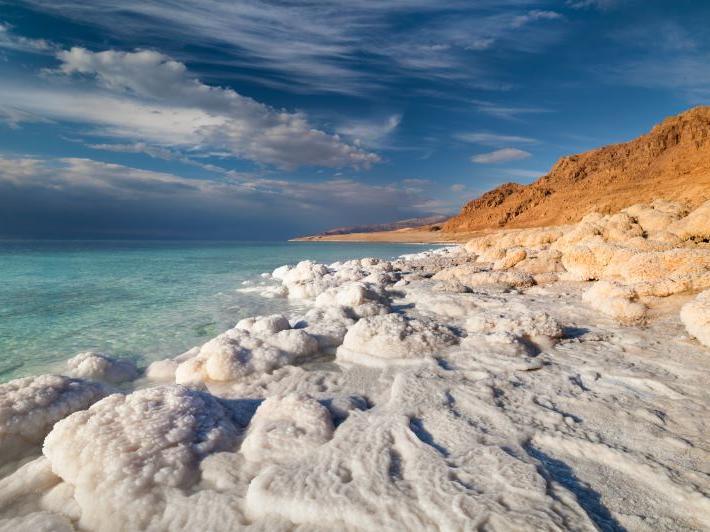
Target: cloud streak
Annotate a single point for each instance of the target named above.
(500, 156)
(327, 45)
(145, 96)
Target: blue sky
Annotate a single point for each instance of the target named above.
(266, 119)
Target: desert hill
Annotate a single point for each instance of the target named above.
(671, 162)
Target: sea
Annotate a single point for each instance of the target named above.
(144, 300)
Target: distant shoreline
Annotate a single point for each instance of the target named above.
(406, 236)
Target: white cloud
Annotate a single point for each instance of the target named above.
(370, 133)
(145, 96)
(325, 45)
(598, 4)
(10, 41)
(458, 187)
(500, 156)
(492, 139)
(533, 16)
(14, 117)
(506, 112)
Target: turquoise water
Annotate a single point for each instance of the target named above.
(143, 300)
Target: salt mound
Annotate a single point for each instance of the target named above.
(131, 459)
(327, 325)
(307, 280)
(97, 366)
(264, 324)
(695, 315)
(255, 345)
(37, 522)
(658, 215)
(470, 275)
(695, 226)
(615, 300)
(286, 428)
(30, 406)
(534, 325)
(392, 339)
(351, 295)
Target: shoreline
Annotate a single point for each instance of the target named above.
(504, 380)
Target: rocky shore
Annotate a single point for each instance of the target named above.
(531, 379)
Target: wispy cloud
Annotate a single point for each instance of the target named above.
(146, 97)
(328, 45)
(597, 4)
(500, 156)
(11, 41)
(505, 111)
(370, 133)
(492, 139)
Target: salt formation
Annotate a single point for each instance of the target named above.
(533, 379)
(131, 460)
(617, 301)
(286, 428)
(254, 345)
(393, 339)
(695, 315)
(30, 406)
(100, 367)
(411, 465)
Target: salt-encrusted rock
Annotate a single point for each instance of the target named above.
(695, 315)
(350, 295)
(657, 216)
(30, 406)
(255, 345)
(37, 522)
(97, 366)
(512, 257)
(615, 300)
(695, 226)
(541, 262)
(392, 339)
(264, 324)
(590, 261)
(327, 325)
(162, 371)
(286, 428)
(132, 459)
(470, 276)
(534, 325)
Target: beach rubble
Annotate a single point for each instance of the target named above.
(532, 379)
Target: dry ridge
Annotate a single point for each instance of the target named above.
(671, 162)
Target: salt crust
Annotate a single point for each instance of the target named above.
(472, 398)
(695, 315)
(30, 406)
(97, 366)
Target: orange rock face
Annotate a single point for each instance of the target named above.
(671, 162)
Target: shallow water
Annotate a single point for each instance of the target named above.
(143, 300)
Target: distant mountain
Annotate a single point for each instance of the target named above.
(392, 226)
(671, 162)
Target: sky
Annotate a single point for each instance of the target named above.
(268, 119)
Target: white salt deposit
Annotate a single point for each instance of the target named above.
(393, 339)
(533, 379)
(100, 367)
(29, 407)
(695, 315)
(286, 428)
